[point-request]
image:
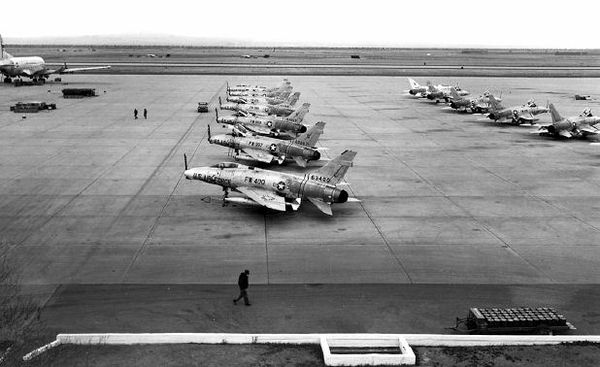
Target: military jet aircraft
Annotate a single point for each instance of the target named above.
(442, 92)
(480, 104)
(280, 127)
(33, 67)
(437, 92)
(570, 127)
(274, 93)
(416, 89)
(286, 86)
(266, 150)
(517, 114)
(279, 98)
(246, 88)
(277, 190)
(257, 88)
(283, 109)
(271, 101)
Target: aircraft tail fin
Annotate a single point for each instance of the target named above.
(293, 98)
(285, 94)
(3, 53)
(413, 84)
(494, 104)
(336, 169)
(454, 93)
(299, 113)
(311, 137)
(554, 113)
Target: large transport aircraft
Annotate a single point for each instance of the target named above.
(277, 190)
(33, 67)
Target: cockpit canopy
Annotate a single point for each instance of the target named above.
(226, 165)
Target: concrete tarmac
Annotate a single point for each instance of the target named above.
(91, 196)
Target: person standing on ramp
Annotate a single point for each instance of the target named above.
(243, 284)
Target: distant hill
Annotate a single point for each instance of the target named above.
(127, 39)
(175, 40)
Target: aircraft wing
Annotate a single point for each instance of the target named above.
(264, 198)
(258, 129)
(259, 155)
(301, 161)
(588, 130)
(321, 205)
(525, 117)
(242, 113)
(565, 133)
(33, 72)
(76, 70)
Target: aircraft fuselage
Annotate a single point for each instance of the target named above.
(282, 184)
(275, 147)
(22, 66)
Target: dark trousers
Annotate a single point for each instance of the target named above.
(244, 295)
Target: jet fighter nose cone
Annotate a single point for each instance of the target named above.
(188, 174)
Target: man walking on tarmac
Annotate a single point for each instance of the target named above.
(243, 284)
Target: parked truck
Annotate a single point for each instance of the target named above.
(202, 106)
(519, 320)
(32, 106)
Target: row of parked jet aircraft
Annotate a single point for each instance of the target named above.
(561, 127)
(268, 128)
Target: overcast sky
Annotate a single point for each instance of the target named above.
(402, 23)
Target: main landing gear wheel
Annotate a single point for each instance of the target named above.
(225, 195)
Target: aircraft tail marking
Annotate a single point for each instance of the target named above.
(293, 98)
(336, 168)
(299, 113)
(311, 137)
